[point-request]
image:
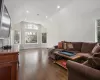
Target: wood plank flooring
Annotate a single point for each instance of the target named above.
(35, 65)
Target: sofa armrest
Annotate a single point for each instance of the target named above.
(88, 72)
(96, 54)
(52, 51)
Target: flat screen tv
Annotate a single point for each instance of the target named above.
(5, 21)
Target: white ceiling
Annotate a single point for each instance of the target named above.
(18, 8)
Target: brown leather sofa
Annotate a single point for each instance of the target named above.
(80, 48)
(89, 70)
(77, 71)
(83, 48)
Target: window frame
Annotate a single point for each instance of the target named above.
(31, 31)
(46, 38)
(19, 37)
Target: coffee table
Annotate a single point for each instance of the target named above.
(74, 57)
(63, 62)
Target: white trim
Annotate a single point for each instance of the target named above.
(1, 38)
(96, 38)
(25, 37)
(31, 43)
(41, 38)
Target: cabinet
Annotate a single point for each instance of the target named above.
(8, 65)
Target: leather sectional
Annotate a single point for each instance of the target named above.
(84, 71)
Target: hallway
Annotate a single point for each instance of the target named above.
(35, 65)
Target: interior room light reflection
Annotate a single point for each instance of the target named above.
(5, 20)
(27, 11)
(58, 7)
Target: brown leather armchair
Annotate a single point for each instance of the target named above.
(77, 71)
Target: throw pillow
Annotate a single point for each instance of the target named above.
(94, 61)
(87, 47)
(96, 49)
(65, 45)
(70, 45)
(60, 45)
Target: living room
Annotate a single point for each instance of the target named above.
(40, 30)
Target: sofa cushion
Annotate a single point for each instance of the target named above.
(87, 47)
(77, 46)
(60, 45)
(70, 45)
(96, 49)
(65, 45)
(94, 61)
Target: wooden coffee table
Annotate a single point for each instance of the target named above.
(63, 61)
(68, 57)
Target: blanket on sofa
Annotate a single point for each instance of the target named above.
(67, 53)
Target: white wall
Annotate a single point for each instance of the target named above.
(76, 21)
(18, 8)
(52, 32)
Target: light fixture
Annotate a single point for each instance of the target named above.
(58, 7)
(46, 17)
(27, 11)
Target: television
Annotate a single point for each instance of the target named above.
(5, 21)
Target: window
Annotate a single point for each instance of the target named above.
(31, 26)
(44, 37)
(16, 37)
(30, 37)
(98, 30)
(98, 22)
(98, 34)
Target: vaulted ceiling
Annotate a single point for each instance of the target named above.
(34, 10)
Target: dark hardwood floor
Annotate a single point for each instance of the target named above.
(35, 65)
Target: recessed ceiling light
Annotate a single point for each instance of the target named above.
(27, 11)
(58, 7)
(46, 16)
